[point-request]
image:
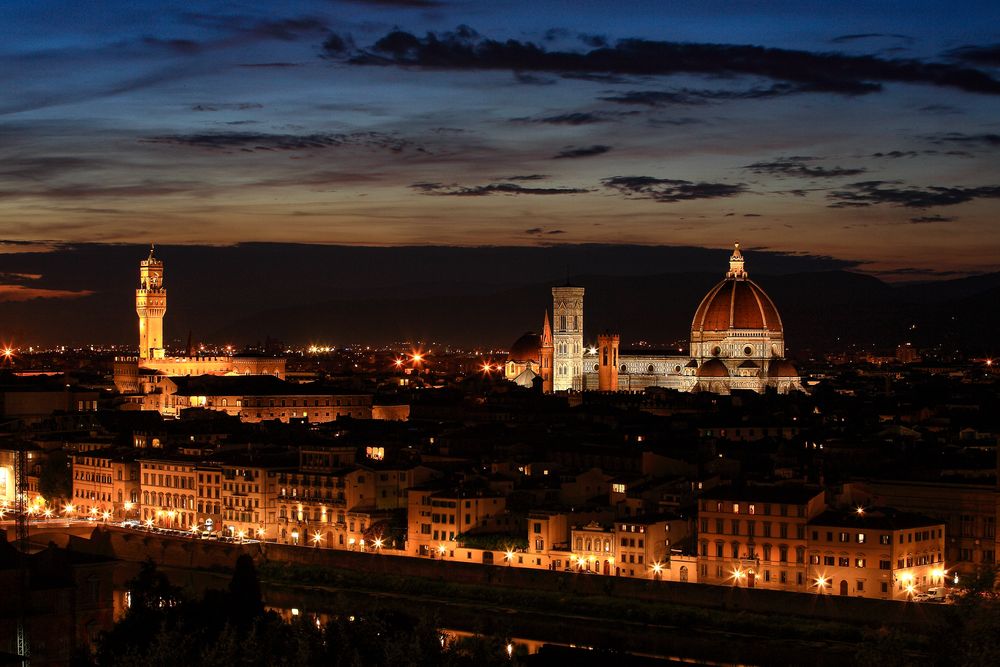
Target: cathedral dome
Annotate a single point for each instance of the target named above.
(782, 368)
(736, 303)
(713, 368)
(526, 348)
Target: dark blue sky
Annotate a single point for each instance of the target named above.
(866, 131)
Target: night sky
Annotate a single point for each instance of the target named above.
(869, 132)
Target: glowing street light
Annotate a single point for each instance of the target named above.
(260, 532)
(127, 506)
(860, 511)
(317, 538)
(47, 513)
(149, 522)
(441, 549)
(377, 542)
(657, 569)
(821, 583)
(194, 528)
(509, 556)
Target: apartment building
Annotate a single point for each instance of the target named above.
(757, 535)
(876, 553)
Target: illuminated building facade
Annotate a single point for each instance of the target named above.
(567, 338)
(876, 553)
(105, 485)
(757, 537)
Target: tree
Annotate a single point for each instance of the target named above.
(55, 479)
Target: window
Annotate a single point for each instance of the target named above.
(860, 562)
(829, 560)
(860, 586)
(885, 539)
(860, 538)
(845, 536)
(751, 509)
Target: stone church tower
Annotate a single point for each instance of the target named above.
(567, 325)
(151, 305)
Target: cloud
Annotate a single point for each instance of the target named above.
(979, 55)
(572, 118)
(941, 109)
(670, 190)
(924, 219)
(897, 154)
(401, 4)
(178, 46)
(581, 151)
(238, 106)
(871, 193)
(270, 65)
(21, 293)
(20, 276)
(491, 189)
(696, 97)
(843, 39)
(533, 79)
(464, 49)
(527, 177)
(535, 231)
(286, 30)
(796, 167)
(985, 140)
(260, 141)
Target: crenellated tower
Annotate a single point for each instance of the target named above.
(151, 305)
(607, 365)
(546, 354)
(567, 326)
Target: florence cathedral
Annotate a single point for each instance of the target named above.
(737, 342)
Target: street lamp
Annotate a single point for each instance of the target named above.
(509, 556)
(317, 538)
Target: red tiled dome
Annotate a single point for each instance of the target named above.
(526, 348)
(782, 368)
(736, 303)
(713, 368)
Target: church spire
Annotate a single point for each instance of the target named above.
(152, 247)
(546, 331)
(736, 269)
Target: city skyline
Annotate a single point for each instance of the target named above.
(864, 135)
